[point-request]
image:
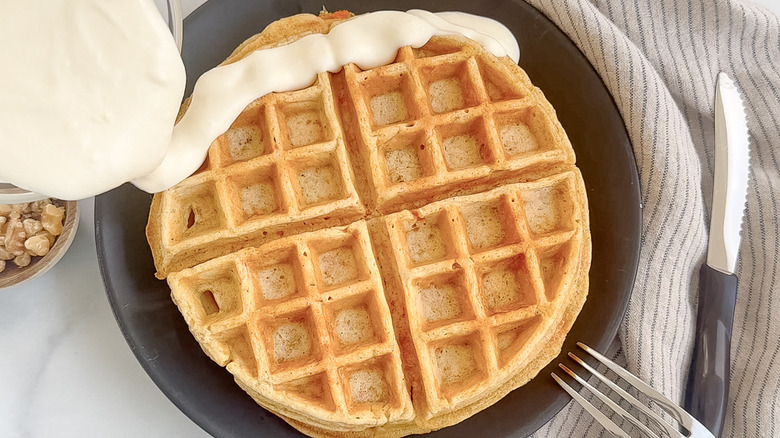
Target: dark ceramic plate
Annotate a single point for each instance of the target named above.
(207, 394)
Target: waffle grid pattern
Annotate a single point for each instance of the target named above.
(344, 358)
(493, 326)
(385, 252)
(431, 123)
(283, 162)
(449, 124)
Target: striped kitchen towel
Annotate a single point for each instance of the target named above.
(660, 59)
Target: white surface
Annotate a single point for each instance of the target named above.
(772, 5)
(66, 369)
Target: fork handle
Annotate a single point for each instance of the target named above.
(708, 382)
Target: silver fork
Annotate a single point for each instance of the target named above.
(692, 427)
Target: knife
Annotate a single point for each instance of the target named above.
(708, 381)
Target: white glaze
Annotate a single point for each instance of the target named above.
(493, 35)
(368, 40)
(89, 92)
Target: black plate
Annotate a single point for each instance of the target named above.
(207, 394)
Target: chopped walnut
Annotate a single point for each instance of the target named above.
(37, 245)
(28, 230)
(51, 218)
(14, 237)
(23, 260)
(21, 208)
(49, 236)
(32, 226)
(37, 206)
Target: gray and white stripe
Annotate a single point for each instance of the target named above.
(660, 59)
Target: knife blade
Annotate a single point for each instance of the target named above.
(707, 391)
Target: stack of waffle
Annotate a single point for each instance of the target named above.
(385, 252)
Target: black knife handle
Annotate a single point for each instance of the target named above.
(708, 382)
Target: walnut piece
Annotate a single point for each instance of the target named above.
(37, 246)
(51, 218)
(28, 230)
(32, 226)
(49, 236)
(23, 260)
(14, 237)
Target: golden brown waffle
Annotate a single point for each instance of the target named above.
(482, 277)
(385, 252)
(303, 325)
(444, 118)
(478, 287)
(448, 118)
(282, 167)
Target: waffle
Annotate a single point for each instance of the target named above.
(448, 118)
(385, 252)
(282, 167)
(303, 325)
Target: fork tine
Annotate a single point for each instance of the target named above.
(592, 410)
(671, 430)
(607, 401)
(691, 424)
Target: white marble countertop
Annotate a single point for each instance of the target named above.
(66, 369)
